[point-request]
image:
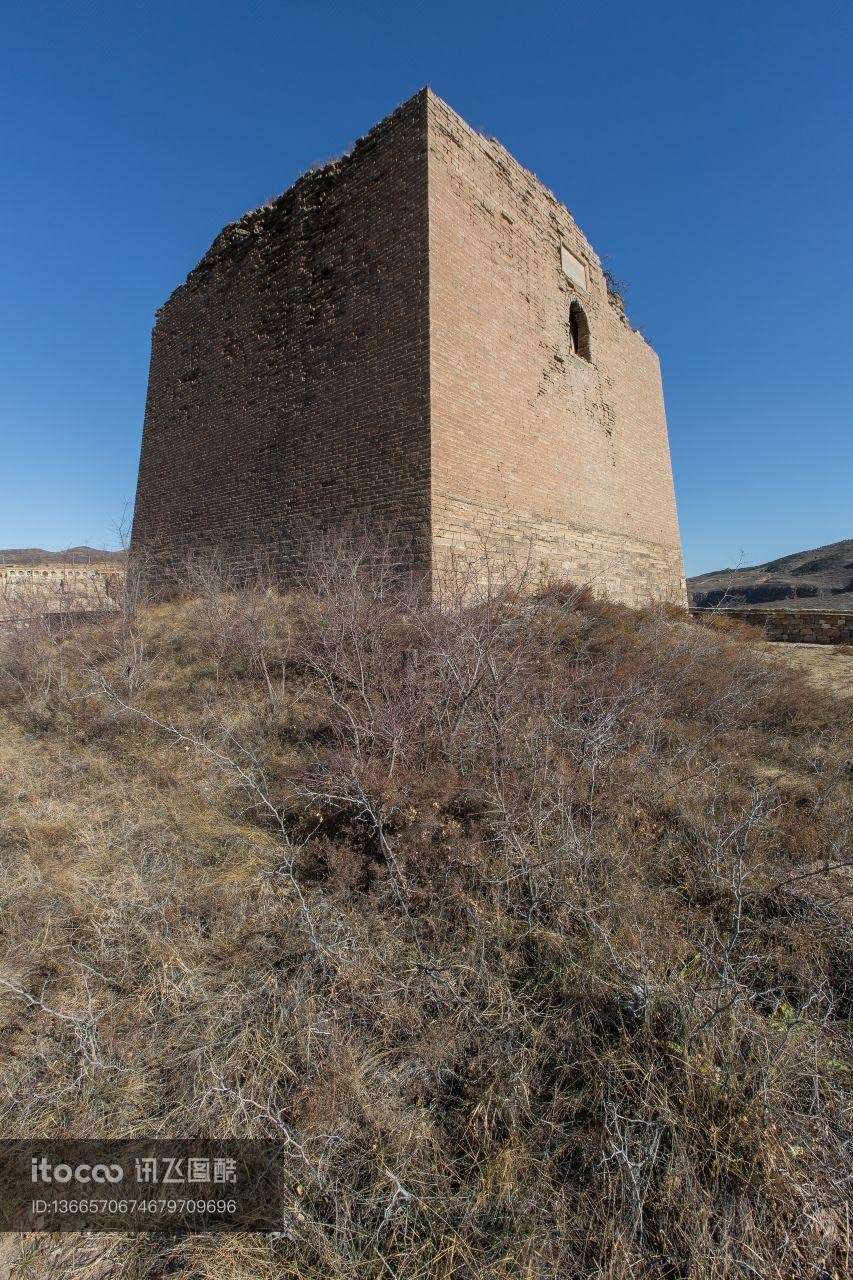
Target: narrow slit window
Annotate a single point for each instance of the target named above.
(579, 331)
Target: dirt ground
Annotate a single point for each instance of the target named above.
(822, 664)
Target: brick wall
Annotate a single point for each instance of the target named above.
(289, 375)
(531, 443)
(390, 340)
(799, 626)
(29, 589)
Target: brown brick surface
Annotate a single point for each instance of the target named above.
(289, 375)
(390, 340)
(530, 440)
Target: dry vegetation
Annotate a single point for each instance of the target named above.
(522, 922)
(827, 666)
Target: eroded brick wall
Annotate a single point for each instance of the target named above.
(532, 445)
(389, 340)
(289, 376)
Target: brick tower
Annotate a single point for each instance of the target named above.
(417, 334)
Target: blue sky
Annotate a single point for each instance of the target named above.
(705, 149)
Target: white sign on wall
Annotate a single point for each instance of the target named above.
(573, 268)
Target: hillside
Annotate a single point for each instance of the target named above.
(817, 579)
(523, 924)
(73, 555)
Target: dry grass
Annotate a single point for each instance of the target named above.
(523, 923)
(826, 666)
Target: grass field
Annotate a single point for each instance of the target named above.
(523, 924)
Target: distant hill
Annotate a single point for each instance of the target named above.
(817, 579)
(74, 555)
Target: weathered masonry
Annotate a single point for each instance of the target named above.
(418, 335)
(797, 626)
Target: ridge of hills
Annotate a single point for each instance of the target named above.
(821, 578)
(73, 555)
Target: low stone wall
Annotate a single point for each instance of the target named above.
(799, 626)
(27, 589)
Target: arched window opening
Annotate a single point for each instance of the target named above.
(579, 331)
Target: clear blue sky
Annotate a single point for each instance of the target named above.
(705, 149)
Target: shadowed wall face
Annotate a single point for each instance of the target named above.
(290, 374)
(417, 335)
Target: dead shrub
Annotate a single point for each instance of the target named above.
(519, 918)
